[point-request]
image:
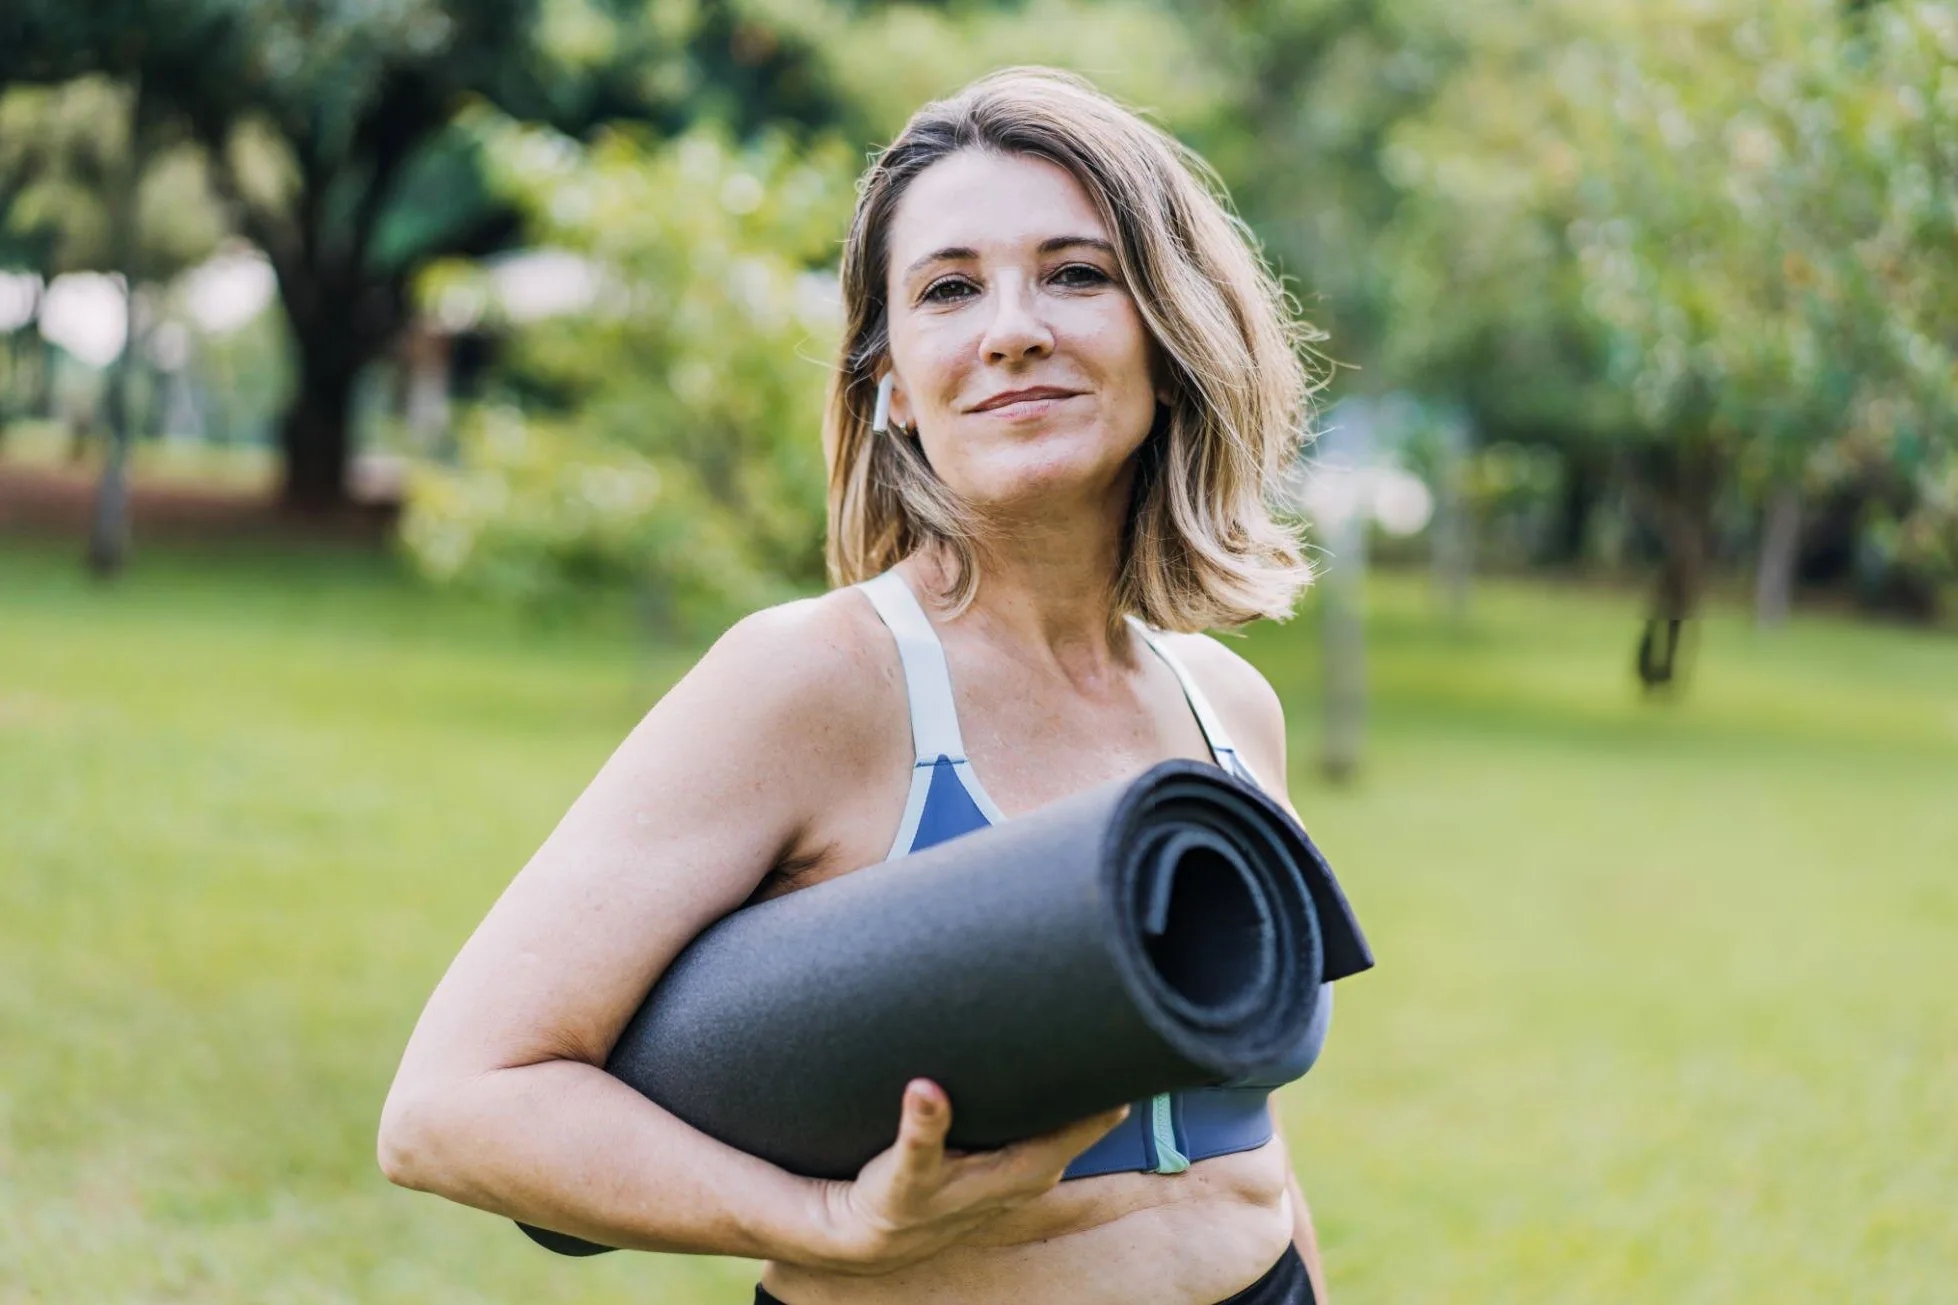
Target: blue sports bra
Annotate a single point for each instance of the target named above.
(1165, 1133)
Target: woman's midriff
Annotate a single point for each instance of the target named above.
(1120, 1239)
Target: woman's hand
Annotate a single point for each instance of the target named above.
(914, 1198)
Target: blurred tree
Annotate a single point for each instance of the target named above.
(330, 127)
(1751, 246)
(1452, 175)
(664, 434)
(1705, 242)
(1307, 92)
(886, 60)
(94, 178)
(62, 147)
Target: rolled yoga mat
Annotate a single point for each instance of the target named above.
(1147, 936)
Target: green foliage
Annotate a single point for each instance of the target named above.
(1308, 91)
(332, 133)
(887, 60)
(62, 147)
(1749, 233)
(1480, 297)
(1717, 227)
(672, 435)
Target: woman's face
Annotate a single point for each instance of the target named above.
(1021, 360)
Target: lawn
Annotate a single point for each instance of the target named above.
(1666, 1010)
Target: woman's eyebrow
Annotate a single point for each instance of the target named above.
(1053, 244)
(1059, 243)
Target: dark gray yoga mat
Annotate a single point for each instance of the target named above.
(1147, 936)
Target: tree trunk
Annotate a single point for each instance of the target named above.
(42, 403)
(1576, 502)
(1344, 636)
(108, 529)
(316, 443)
(1452, 536)
(1682, 511)
(340, 322)
(1781, 537)
(1346, 449)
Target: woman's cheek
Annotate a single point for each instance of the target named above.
(944, 375)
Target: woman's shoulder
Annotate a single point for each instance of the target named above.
(1242, 697)
(1237, 689)
(821, 663)
(815, 680)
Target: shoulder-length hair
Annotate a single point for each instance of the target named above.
(1204, 544)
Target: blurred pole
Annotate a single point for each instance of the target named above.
(1452, 542)
(1345, 451)
(1345, 650)
(41, 405)
(1774, 573)
(108, 531)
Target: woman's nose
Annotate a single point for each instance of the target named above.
(1016, 329)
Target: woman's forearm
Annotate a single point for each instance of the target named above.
(563, 1145)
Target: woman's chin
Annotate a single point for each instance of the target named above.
(1055, 469)
(1043, 492)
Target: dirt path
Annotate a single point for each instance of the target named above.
(40, 502)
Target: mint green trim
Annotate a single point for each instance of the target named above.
(1168, 1159)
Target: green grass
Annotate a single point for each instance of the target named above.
(1665, 1008)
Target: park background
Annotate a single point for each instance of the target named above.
(396, 397)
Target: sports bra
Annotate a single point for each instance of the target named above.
(1163, 1134)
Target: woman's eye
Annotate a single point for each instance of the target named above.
(942, 291)
(1081, 275)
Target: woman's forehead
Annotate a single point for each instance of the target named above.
(979, 200)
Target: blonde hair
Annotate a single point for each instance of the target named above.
(1203, 545)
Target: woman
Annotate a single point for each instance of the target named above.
(1067, 387)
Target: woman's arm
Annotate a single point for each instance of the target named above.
(500, 1101)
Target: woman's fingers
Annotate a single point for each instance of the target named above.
(925, 1119)
(914, 1197)
(1032, 1166)
(1028, 1167)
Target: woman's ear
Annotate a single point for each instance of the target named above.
(901, 409)
(1159, 376)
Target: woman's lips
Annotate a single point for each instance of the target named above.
(1032, 406)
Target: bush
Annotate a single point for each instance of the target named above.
(669, 434)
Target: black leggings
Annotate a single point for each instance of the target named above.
(1284, 1283)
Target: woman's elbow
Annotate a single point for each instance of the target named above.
(408, 1142)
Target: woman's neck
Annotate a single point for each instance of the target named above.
(1046, 593)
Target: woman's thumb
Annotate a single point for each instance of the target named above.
(927, 1116)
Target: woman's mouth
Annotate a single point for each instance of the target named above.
(1021, 404)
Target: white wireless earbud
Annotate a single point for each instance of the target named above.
(881, 420)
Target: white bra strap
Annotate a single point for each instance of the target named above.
(927, 680)
(1207, 721)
